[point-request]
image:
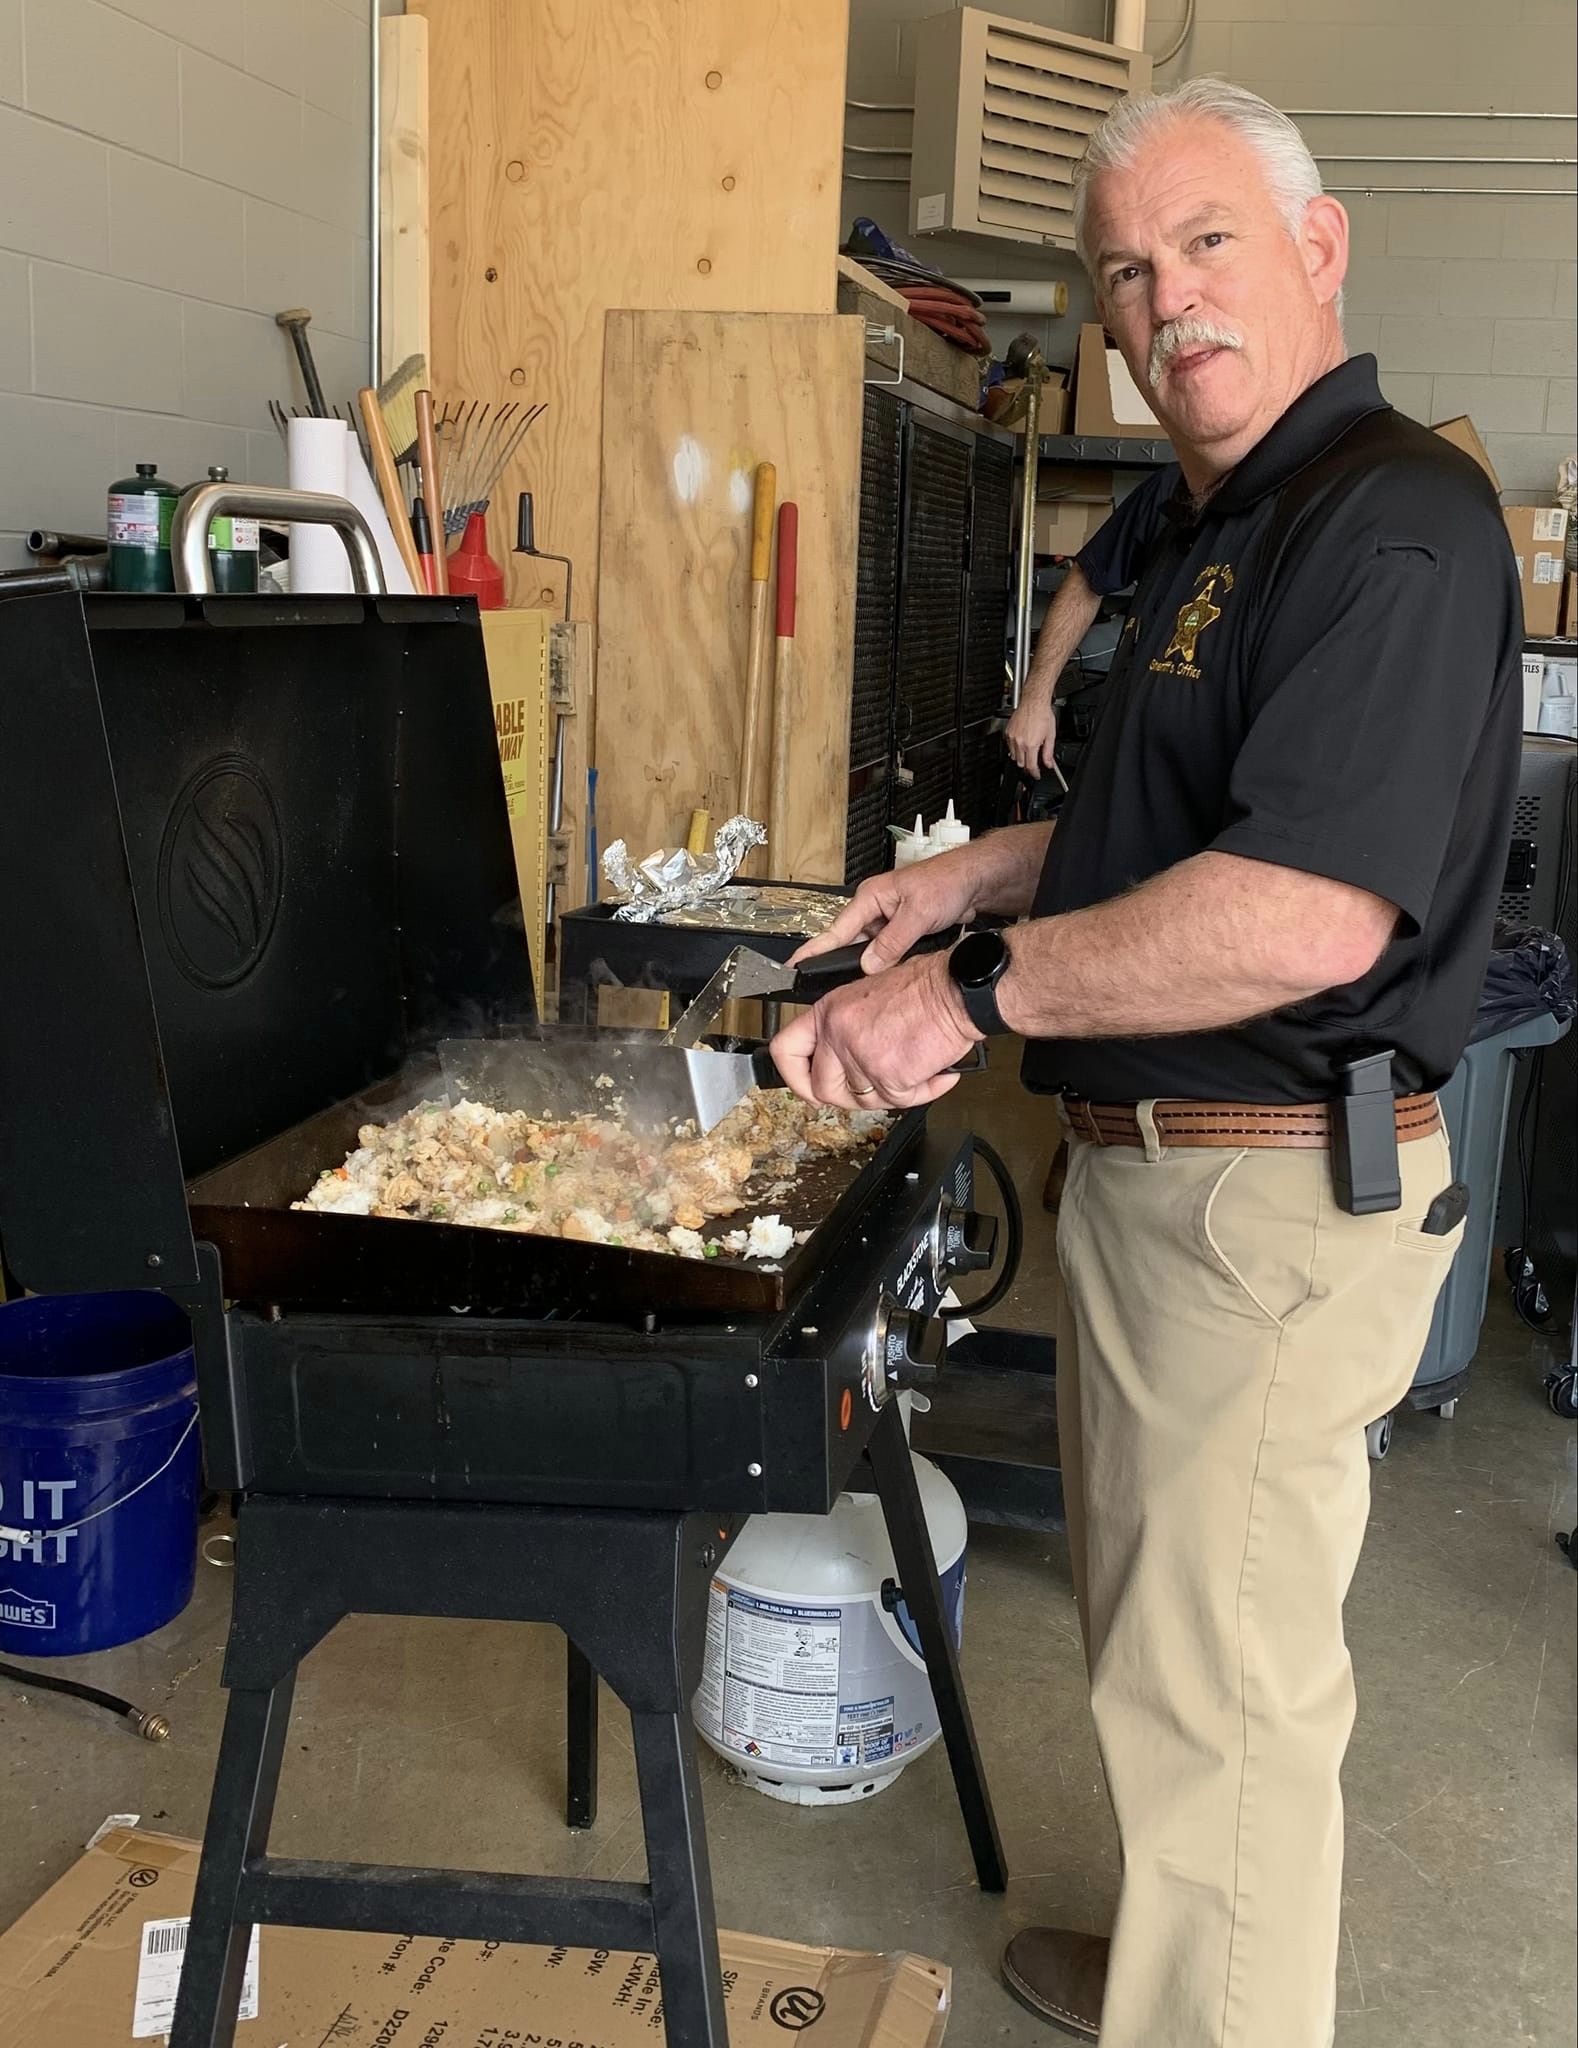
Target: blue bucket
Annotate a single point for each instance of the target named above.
(99, 1464)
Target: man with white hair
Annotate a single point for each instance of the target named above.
(1251, 950)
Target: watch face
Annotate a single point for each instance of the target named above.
(977, 959)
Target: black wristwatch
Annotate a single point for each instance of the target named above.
(977, 964)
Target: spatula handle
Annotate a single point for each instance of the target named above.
(820, 976)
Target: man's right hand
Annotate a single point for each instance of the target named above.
(898, 909)
(1031, 731)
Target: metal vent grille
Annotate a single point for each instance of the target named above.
(986, 618)
(876, 578)
(931, 601)
(867, 847)
(983, 762)
(1003, 112)
(929, 781)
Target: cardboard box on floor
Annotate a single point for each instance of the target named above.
(1107, 401)
(70, 1970)
(1538, 534)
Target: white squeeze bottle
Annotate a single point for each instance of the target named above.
(949, 832)
(909, 847)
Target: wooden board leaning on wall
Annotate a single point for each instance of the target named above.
(615, 153)
(692, 402)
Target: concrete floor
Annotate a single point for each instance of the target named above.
(430, 1742)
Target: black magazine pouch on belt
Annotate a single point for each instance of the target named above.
(1364, 1160)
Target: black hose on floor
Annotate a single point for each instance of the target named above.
(1014, 1216)
(151, 1727)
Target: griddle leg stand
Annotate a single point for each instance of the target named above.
(580, 1720)
(680, 1879)
(240, 1811)
(889, 1454)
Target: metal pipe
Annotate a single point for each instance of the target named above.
(1324, 156)
(1528, 162)
(1417, 114)
(1024, 588)
(44, 540)
(1452, 191)
(375, 336)
(204, 503)
(1312, 113)
(77, 573)
(1128, 24)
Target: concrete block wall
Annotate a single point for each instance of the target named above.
(1470, 303)
(172, 174)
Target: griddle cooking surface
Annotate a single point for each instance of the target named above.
(275, 1253)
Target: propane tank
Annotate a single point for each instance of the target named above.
(141, 508)
(232, 546)
(813, 1684)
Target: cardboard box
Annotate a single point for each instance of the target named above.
(1462, 433)
(70, 1971)
(1570, 607)
(1538, 534)
(1063, 525)
(1107, 401)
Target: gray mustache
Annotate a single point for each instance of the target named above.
(1186, 333)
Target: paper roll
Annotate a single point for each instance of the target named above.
(363, 494)
(315, 455)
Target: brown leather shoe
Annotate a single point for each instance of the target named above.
(1060, 1976)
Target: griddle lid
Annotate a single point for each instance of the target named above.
(256, 858)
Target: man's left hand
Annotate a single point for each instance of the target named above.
(887, 1042)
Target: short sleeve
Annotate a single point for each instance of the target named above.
(1113, 556)
(1370, 680)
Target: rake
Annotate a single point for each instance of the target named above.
(479, 444)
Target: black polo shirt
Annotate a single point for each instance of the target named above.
(1321, 670)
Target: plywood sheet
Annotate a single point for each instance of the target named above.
(692, 402)
(585, 154)
(404, 271)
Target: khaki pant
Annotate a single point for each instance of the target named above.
(1227, 1334)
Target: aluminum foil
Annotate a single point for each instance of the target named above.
(668, 881)
(762, 907)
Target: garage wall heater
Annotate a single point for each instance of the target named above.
(1003, 111)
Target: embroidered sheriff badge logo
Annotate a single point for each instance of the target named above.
(1201, 611)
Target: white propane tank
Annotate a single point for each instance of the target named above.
(811, 1688)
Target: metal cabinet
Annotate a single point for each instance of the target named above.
(931, 616)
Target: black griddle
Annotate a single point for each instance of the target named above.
(255, 865)
(300, 1258)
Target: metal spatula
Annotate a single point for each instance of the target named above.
(648, 1086)
(747, 973)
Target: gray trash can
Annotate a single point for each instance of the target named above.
(1474, 1103)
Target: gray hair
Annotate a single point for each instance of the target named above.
(1290, 170)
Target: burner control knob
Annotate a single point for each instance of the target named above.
(915, 1344)
(966, 1241)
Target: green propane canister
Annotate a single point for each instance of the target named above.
(141, 508)
(232, 547)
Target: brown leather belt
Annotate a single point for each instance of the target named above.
(1292, 1126)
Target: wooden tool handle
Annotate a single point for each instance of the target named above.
(783, 688)
(389, 482)
(427, 455)
(762, 522)
(788, 567)
(753, 736)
